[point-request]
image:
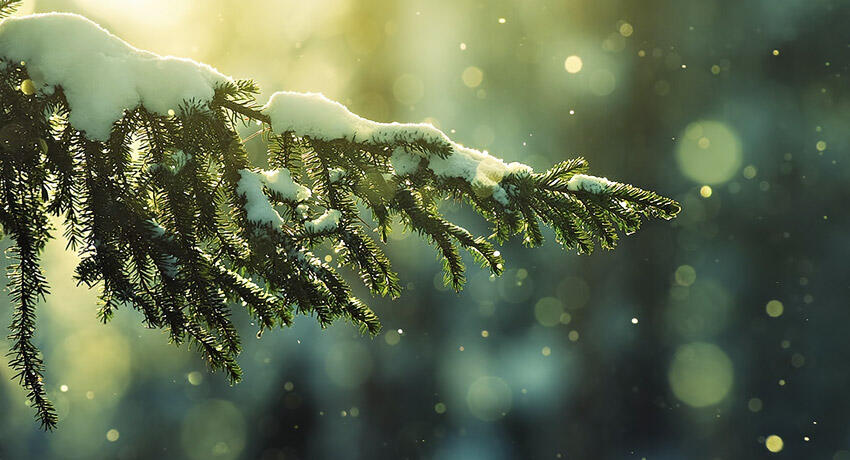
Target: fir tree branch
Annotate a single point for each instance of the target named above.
(8, 7)
(27, 226)
(171, 218)
(246, 111)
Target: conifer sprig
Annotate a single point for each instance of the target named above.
(171, 218)
(7, 7)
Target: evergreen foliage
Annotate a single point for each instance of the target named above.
(158, 219)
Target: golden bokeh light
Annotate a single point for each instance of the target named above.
(548, 311)
(685, 275)
(195, 378)
(28, 87)
(472, 76)
(392, 337)
(700, 374)
(709, 152)
(573, 64)
(774, 443)
(774, 308)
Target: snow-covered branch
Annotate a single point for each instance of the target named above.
(140, 156)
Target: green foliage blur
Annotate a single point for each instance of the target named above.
(720, 335)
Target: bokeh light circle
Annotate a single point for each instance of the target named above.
(774, 443)
(472, 76)
(548, 311)
(573, 64)
(701, 374)
(709, 152)
(774, 308)
(489, 398)
(685, 275)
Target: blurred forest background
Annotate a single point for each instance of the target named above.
(721, 335)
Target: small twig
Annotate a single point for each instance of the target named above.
(246, 111)
(245, 141)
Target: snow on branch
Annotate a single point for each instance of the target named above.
(280, 184)
(101, 74)
(324, 223)
(592, 184)
(316, 116)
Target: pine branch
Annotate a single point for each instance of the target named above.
(27, 225)
(8, 7)
(170, 217)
